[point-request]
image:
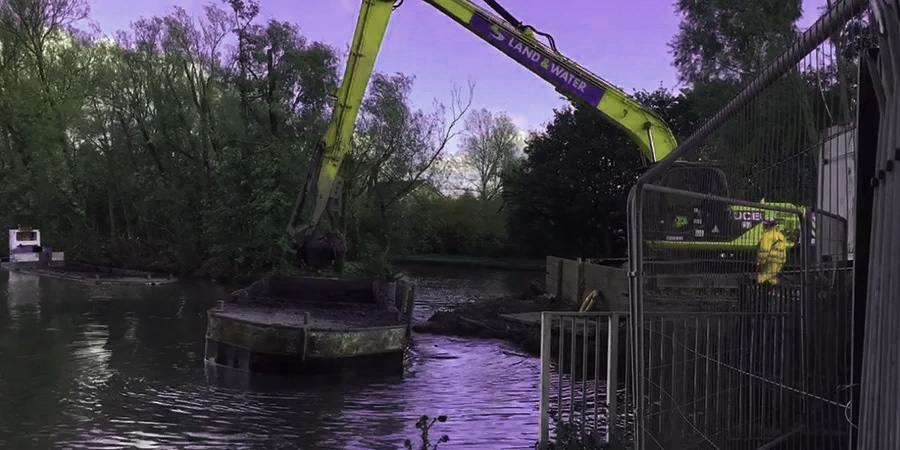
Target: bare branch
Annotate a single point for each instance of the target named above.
(489, 146)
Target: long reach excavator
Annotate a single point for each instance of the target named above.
(720, 229)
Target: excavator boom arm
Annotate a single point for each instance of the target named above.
(313, 198)
(645, 128)
(653, 137)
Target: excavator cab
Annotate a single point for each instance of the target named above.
(682, 217)
(701, 177)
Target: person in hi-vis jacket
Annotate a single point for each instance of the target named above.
(770, 259)
(772, 253)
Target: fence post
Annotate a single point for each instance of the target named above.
(579, 282)
(612, 375)
(410, 308)
(544, 411)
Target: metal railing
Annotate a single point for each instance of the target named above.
(717, 359)
(727, 362)
(729, 379)
(584, 376)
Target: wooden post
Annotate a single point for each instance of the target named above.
(401, 299)
(304, 348)
(410, 306)
(400, 295)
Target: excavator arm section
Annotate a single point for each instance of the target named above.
(331, 150)
(508, 35)
(646, 129)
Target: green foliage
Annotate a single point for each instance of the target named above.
(731, 39)
(452, 225)
(391, 161)
(171, 157)
(568, 197)
(164, 149)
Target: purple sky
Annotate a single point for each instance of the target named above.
(624, 42)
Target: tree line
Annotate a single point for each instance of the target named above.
(180, 143)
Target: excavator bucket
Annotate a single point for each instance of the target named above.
(322, 253)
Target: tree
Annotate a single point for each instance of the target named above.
(722, 45)
(731, 39)
(489, 147)
(43, 76)
(568, 197)
(160, 148)
(394, 152)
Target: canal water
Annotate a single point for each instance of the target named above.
(111, 367)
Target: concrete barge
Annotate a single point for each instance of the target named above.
(313, 326)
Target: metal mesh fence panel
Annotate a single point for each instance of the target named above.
(741, 259)
(879, 412)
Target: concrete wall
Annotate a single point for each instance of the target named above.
(573, 279)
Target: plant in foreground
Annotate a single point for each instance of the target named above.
(424, 424)
(568, 438)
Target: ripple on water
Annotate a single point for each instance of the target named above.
(132, 375)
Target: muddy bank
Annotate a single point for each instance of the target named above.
(87, 273)
(481, 318)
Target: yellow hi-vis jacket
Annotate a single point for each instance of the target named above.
(771, 256)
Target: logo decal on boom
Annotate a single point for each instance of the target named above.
(536, 60)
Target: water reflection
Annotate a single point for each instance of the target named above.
(23, 292)
(87, 366)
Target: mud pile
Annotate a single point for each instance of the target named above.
(481, 318)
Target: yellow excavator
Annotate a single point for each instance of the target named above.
(686, 224)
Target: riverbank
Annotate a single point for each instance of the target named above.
(481, 318)
(472, 261)
(352, 268)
